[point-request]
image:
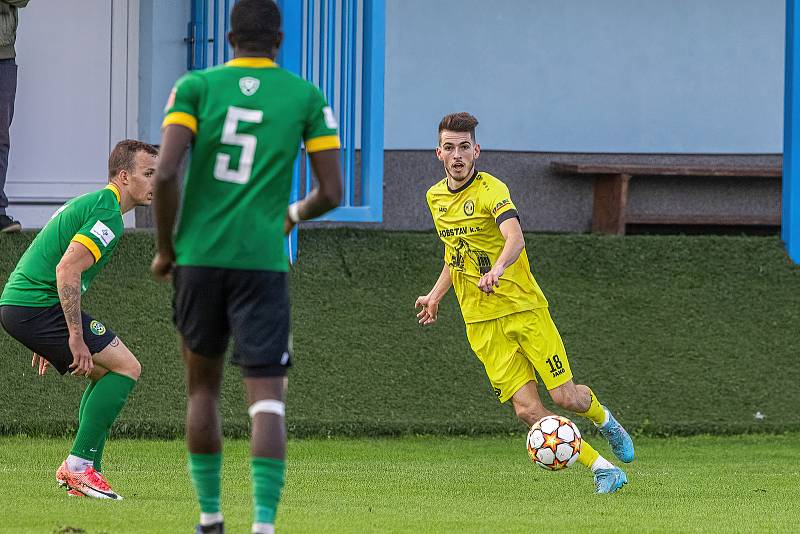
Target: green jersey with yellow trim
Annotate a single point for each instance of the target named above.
(94, 220)
(248, 117)
(468, 223)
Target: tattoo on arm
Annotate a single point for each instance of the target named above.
(70, 296)
(69, 293)
(114, 342)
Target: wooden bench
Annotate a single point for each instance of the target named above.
(609, 211)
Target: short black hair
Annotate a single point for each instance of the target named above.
(255, 25)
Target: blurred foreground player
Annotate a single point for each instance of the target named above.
(244, 120)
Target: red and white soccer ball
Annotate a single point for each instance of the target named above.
(554, 442)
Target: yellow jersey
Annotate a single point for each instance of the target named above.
(467, 220)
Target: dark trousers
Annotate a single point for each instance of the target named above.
(8, 91)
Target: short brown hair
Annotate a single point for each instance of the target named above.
(458, 122)
(123, 157)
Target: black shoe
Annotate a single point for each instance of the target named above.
(9, 225)
(216, 528)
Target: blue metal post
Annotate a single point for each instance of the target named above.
(309, 75)
(790, 229)
(226, 49)
(191, 35)
(321, 51)
(344, 91)
(350, 140)
(215, 34)
(372, 106)
(330, 60)
(204, 36)
(290, 57)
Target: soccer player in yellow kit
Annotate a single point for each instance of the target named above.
(507, 319)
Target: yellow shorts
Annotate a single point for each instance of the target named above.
(511, 347)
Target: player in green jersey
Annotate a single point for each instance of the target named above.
(245, 121)
(41, 308)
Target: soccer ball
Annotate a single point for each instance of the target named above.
(554, 443)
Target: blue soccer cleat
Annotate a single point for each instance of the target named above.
(216, 528)
(621, 443)
(609, 480)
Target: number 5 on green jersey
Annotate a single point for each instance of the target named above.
(248, 142)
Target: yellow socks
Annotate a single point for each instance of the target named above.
(587, 455)
(596, 413)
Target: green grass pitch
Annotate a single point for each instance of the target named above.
(422, 484)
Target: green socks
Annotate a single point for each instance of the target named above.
(98, 456)
(268, 478)
(100, 406)
(86, 393)
(205, 472)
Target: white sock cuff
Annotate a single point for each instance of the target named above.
(263, 528)
(267, 406)
(601, 463)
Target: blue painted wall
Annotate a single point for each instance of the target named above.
(162, 59)
(582, 75)
(682, 76)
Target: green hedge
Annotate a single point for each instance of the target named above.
(677, 334)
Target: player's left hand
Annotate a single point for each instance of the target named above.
(162, 266)
(490, 280)
(41, 363)
(288, 225)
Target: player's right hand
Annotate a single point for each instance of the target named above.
(430, 309)
(82, 363)
(41, 363)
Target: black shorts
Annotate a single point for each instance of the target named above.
(211, 304)
(44, 331)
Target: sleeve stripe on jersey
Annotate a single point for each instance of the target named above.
(510, 214)
(326, 142)
(179, 117)
(88, 243)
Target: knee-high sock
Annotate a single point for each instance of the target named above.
(98, 456)
(596, 413)
(101, 408)
(86, 393)
(205, 470)
(268, 478)
(587, 455)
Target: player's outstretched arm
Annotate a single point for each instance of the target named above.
(75, 260)
(515, 244)
(174, 142)
(325, 196)
(430, 302)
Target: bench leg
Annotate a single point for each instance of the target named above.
(610, 201)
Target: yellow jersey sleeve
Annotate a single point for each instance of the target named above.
(321, 129)
(497, 201)
(183, 102)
